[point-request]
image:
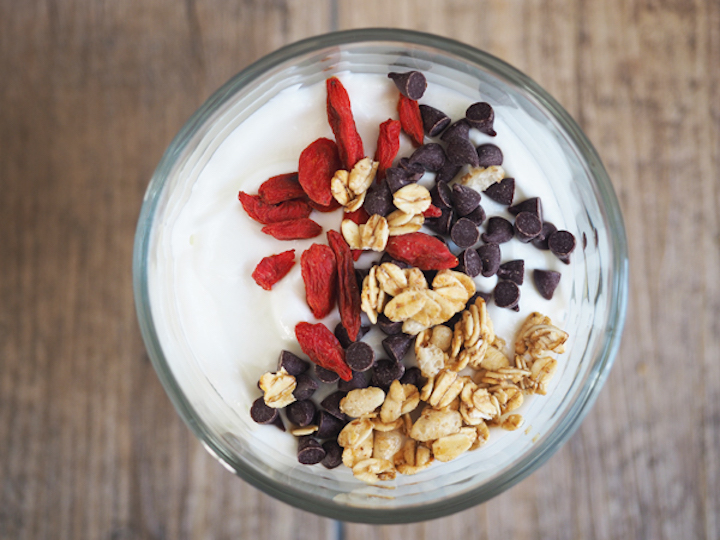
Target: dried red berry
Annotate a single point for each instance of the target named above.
(319, 272)
(272, 269)
(432, 212)
(342, 122)
(281, 188)
(411, 119)
(421, 251)
(388, 145)
(348, 290)
(359, 216)
(295, 229)
(334, 205)
(317, 165)
(273, 213)
(323, 348)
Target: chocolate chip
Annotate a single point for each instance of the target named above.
(310, 451)
(441, 195)
(532, 205)
(489, 155)
(413, 376)
(378, 199)
(385, 372)
(527, 226)
(464, 233)
(396, 178)
(301, 413)
(458, 130)
(481, 116)
(333, 454)
(434, 120)
(340, 331)
(513, 271)
(261, 413)
(325, 375)
(331, 404)
(360, 379)
(305, 386)
(360, 356)
(470, 262)
(477, 216)
(448, 172)
(360, 275)
(465, 199)
(502, 191)
(479, 294)
(415, 171)
(546, 282)
(278, 423)
(562, 244)
(397, 346)
(443, 224)
(462, 152)
(292, 363)
(412, 84)
(431, 156)
(507, 294)
(430, 274)
(387, 258)
(490, 256)
(389, 327)
(328, 425)
(499, 230)
(541, 240)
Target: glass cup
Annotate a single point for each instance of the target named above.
(597, 301)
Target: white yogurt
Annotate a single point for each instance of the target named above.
(208, 310)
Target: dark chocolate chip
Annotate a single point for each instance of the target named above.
(499, 230)
(513, 271)
(332, 405)
(447, 173)
(325, 375)
(546, 282)
(490, 256)
(378, 199)
(441, 195)
(477, 216)
(415, 171)
(360, 379)
(527, 226)
(310, 451)
(397, 346)
(502, 191)
(443, 224)
(507, 294)
(532, 205)
(431, 156)
(305, 386)
(261, 413)
(328, 425)
(462, 152)
(385, 372)
(333, 454)
(541, 240)
(430, 274)
(489, 155)
(360, 275)
(453, 321)
(481, 116)
(340, 331)
(562, 244)
(278, 423)
(470, 262)
(292, 363)
(434, 120)
(387, 258)
(412, 84)
(396, 178)
(360, 356)
(458, 130)
(301, 413)
(413, 376)
(389, 327)
(465, 199)
(479, 294)
(464, 233)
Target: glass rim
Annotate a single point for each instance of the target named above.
(572, 416)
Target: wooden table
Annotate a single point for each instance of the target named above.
(92, 92)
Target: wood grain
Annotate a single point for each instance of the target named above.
(91, 94)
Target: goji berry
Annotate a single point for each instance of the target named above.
(388, 145)
(432, 212)
(411, 119)
(356, 254)
(319, 273)
(281, 188)
(272, 269)
(334, 205)
(421, 251)
(295, 229)
(359, 216)
(323, 348)
(348, 290)
(273, 213)
(317, 166)
(342, 122)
